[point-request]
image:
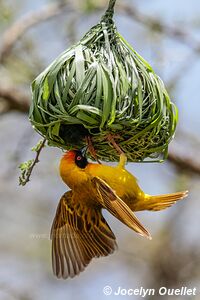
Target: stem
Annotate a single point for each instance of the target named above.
(110, 10)
(26, 176)
(111, 5)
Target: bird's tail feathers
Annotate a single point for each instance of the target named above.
(160, 202)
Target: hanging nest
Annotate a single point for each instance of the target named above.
(102, 87)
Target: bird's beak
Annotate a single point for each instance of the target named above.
(84, 150)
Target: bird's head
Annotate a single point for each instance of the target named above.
(72, 167)
(77, 157)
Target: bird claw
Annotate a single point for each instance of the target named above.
(91, 148)
(111, 139)
(122, 160)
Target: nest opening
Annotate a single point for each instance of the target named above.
(73, 135)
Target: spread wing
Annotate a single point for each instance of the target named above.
(118, 207)
(78, 234)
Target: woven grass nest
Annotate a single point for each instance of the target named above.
(102, 87)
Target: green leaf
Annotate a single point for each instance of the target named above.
(80, 65)
(46, 91)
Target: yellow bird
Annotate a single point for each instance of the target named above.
(79, 231)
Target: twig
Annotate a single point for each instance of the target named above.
(184, 162)
(159, 26)
(27, 167)
(15, 99)
(18, 29)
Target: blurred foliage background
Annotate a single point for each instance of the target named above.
(33, 33)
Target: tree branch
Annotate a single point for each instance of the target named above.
(184, 163)
(15, 99)
(157, 25)
(27, 167)
(18, 29)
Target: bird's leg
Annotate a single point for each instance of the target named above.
(111, 140)
(91, 148)
(122, 160)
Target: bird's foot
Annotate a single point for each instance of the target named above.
(91, 148)
(123, 158)
(111, 139)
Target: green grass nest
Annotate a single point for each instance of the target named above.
(102, 86)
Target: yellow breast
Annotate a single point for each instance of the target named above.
(72, 175)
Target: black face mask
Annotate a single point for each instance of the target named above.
(80, 160)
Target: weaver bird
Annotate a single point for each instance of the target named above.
(79, 231)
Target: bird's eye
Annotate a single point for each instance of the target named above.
(81, 161)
